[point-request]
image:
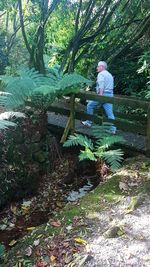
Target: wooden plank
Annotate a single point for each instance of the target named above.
(78, 114)
(128, 126)
(131, 117)
(119, 100)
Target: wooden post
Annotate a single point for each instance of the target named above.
(148, 132)
(72, 113)
(71, 120)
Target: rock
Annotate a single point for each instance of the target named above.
(113, 232)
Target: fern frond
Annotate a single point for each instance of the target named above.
(4, 98)
(6, 124)
(87, 154)
(100, 131)
(55, 72)
(79, 139)
(72, 79)
(6, 116)
(46, 89)
(28, 82)
(108, 141)
(99, 152)
(113, 158)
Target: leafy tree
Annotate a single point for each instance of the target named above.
(36, 49)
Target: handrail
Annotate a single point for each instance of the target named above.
(119, 100)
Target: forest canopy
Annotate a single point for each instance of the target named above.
(76, 34)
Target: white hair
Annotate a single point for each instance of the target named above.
(102, 63)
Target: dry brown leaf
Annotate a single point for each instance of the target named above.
(30, 228)
(56, 223)
(123, 186)
(13, 209)
(80, 241)
(13, 242)
(52, 258)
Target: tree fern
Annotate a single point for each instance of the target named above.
(113, 158)
(28, 82)
(4, 98)
(79, 139)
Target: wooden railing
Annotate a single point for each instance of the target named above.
(123, 121)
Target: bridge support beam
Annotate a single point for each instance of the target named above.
(70, 126)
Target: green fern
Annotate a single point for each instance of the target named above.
(29, 82)
(108, 141)
(99, 150)
(79, 139)
(87, 154)
(4, 98)
(6, 124)
(5, 118)
(113, 158)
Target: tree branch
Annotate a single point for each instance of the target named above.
(50, 10)
(77, 17)
(22, 26)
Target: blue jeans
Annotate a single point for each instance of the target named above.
(108, 108)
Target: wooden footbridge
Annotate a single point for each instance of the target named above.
(65, 115)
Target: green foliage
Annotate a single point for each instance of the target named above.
(42, 90)
(145, 69)
(108, 141)
(87, 154)
(79, 139)
(113, 158)
(99, 150)
(28, 83)
(4, 124)
(2, 254)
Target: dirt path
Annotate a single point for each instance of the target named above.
(119, 238)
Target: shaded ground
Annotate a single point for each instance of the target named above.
(21, 217)
(108, 227)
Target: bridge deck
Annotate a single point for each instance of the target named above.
(134, 141)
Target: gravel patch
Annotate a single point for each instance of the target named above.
(132, 247)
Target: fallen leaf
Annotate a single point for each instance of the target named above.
(30, 228)
(123, 186)
(28, 251)
(146, 257)
(41, 263)
(52, 258)
(3, 227)
(13, 209)
(59, 204)
(36, 242)
(12, 243)
(25, 210)
(80, 241)
(56, 223)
